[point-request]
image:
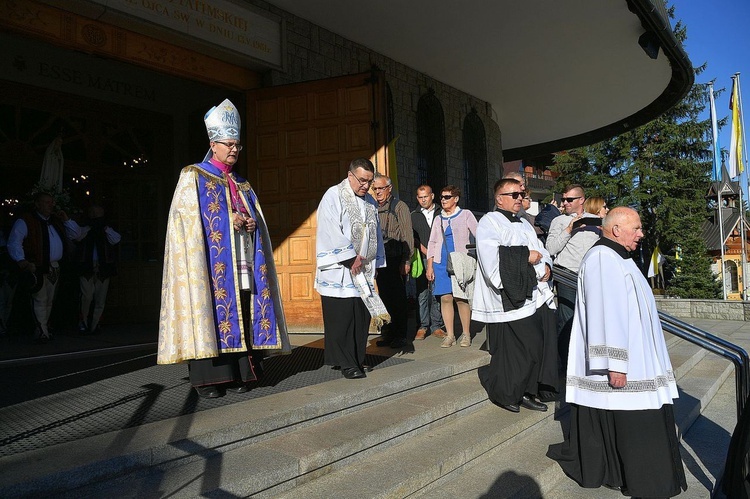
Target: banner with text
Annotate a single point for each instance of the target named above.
(216, 21)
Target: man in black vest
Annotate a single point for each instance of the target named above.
(429, 318)
(37, 243)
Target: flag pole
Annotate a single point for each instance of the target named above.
(720, 183)
(745, 280)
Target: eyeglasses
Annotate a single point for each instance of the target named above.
(570, 200)
(446, 196)
(514, 195)
(378, 189)
(363, 182)
(230, 146)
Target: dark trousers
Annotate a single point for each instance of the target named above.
(346, 324)
(429, 315)
(226, 368)
(516, 348)
(393, 293)
(566, 305)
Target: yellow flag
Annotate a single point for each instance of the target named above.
(736, 165)
(656, 259)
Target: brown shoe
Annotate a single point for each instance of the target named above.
(421, 333)
(439, 333)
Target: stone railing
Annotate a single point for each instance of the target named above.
(704, 309)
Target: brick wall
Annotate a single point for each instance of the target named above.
(704, 309)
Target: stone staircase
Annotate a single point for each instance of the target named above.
(420, 428)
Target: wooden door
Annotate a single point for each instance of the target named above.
(302, 138)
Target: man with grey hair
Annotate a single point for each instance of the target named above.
(620, 382)
(398, 240)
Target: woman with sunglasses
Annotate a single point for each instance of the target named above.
(450, 232)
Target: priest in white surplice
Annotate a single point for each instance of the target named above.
(349, 247)
(620, 382)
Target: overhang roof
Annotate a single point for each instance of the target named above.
(558, 74)
(713, 232)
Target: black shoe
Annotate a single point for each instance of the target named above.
(548, 396)
(353, 373)
(510, 407)
(531, 404)
(397, 343)
(385, 342)
(83, 328)
(238, 388)
(208, 391)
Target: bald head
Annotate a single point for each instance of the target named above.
(623, 225)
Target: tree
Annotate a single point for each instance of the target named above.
(663, 170)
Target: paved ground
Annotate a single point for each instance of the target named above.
(66, 389)
(66, 398)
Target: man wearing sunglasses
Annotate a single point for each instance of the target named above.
(568, 253)
(512, 297)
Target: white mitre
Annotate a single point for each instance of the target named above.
(223, 122)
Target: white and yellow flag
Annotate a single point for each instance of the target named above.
(656, 260)
(736, 165)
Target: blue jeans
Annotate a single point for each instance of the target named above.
(429, 315)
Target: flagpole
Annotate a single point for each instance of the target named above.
(744, 250)
(720, 181)
(745, 281)
(721, 243)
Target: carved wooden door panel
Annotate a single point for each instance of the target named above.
(301, 138)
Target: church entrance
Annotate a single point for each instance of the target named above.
(120, 135)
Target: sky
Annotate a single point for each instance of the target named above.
(718, 33)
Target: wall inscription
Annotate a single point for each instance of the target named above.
(216, 21)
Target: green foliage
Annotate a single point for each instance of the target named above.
(662, 169)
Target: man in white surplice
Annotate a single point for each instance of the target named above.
(620, 382)
(349, 248)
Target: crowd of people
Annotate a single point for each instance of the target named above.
(222, 313)
(41, 246)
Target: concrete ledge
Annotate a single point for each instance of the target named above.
(704, 309)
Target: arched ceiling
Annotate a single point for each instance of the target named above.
(557, 74)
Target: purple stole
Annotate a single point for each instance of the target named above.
(216, 215)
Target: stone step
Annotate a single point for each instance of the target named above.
(523, 470)
(506, 448)
(207, 434)
(268, 467)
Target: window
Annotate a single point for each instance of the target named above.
(431, 163)
(475, 163)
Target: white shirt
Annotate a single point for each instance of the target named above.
(429, 214)
(20, 231)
